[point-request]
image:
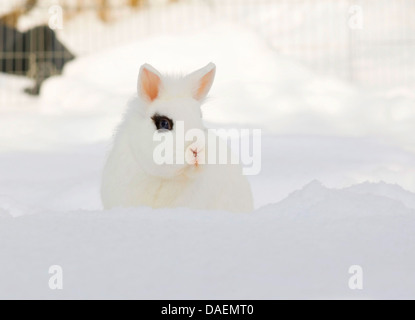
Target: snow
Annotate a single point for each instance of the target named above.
(336, 187)
(299, 248)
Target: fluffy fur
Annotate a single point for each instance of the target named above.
(131, 178)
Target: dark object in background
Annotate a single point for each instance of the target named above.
(36, 53)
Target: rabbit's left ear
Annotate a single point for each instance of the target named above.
(202, 81)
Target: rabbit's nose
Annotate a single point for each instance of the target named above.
(195, 155)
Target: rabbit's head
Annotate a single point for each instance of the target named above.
(165, 105)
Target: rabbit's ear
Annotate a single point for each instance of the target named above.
(202, 81)
(149, 82)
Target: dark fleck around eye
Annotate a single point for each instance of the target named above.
(162, 122)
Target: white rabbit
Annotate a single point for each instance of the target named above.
(132, 177)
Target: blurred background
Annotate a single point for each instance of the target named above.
(362, 41)
(330, 82)
(291, 57)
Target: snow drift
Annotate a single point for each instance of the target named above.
(299, 248)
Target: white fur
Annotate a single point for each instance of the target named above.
(132, 179)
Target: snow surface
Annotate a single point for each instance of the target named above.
(301, 247)
(336, 187)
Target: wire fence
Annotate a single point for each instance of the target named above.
(369, 43)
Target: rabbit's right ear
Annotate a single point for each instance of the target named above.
(149, 82)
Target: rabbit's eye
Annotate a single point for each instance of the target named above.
(162, 122)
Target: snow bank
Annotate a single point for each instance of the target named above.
(301, 247)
